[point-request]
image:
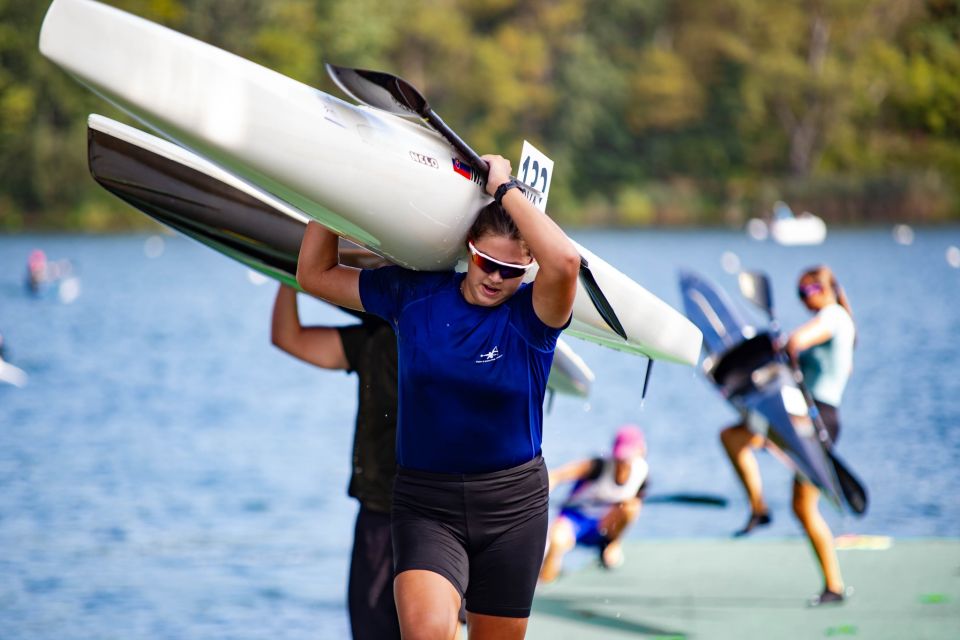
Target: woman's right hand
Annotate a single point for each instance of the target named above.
(500, 172)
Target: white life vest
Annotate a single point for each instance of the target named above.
(594, 497)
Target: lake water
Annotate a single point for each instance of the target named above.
(167, 473)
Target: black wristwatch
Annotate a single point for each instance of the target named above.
(501, 191)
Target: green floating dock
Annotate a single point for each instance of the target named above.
(746, 589)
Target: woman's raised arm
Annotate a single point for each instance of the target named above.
(320, 273)
(558, 260)
(811, 333)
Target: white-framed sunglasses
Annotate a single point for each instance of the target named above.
(489, 265)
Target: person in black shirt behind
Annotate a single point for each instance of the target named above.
(369, 349)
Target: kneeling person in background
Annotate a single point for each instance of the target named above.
(606, 498)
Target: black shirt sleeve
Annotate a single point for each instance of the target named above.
(353, 338)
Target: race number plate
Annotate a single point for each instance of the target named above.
(535, 171)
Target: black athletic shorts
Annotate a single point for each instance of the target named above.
(485, 533)
(831, 420)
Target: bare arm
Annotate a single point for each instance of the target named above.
(558, 260)
(320, 346)
(320, 273)
(569, 472)
(813, 332)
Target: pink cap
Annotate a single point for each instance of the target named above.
(629, 442)
(37, 259)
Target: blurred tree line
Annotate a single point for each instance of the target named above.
(656, 112)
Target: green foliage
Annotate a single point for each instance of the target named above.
(656, 112)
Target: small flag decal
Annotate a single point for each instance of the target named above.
(463, 169)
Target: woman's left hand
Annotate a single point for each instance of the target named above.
(500, 171)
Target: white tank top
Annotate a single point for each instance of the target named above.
(593, 497)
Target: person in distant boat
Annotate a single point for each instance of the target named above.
(605, 500)
(41, 271)
(369, 349)
(823, 349)
(475, 349)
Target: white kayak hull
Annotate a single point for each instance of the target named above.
(388, 184)
(203, 201)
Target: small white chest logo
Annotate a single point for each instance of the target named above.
(490, 356)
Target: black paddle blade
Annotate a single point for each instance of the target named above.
(599, 300)
(380, 90)
(395, 95)
(853, 490)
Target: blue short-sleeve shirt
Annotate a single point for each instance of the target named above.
(471, 378)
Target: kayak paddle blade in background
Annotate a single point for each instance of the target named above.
(755, 287)
(853, 490)
(395, 95)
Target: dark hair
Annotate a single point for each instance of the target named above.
(495, 221)
(825, 277)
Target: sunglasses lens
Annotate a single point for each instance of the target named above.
(808, 290)
(489, 266)
(508, 273)
(483, 263)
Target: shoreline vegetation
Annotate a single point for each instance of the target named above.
(657, 113)
(920, 198)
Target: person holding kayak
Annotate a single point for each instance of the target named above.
(823, 349)
(470, 498)
(369, 349)
(605, 500)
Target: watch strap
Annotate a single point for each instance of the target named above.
(501, 191)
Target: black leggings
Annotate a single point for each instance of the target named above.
(485, 533)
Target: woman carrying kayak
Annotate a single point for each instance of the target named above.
(470, 499)
(823, 349)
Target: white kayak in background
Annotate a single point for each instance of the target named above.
(388, 184)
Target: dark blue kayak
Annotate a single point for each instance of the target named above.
(744, 364)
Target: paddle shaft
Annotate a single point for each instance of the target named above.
(697, 499)
(853, 490)
(458, 143)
